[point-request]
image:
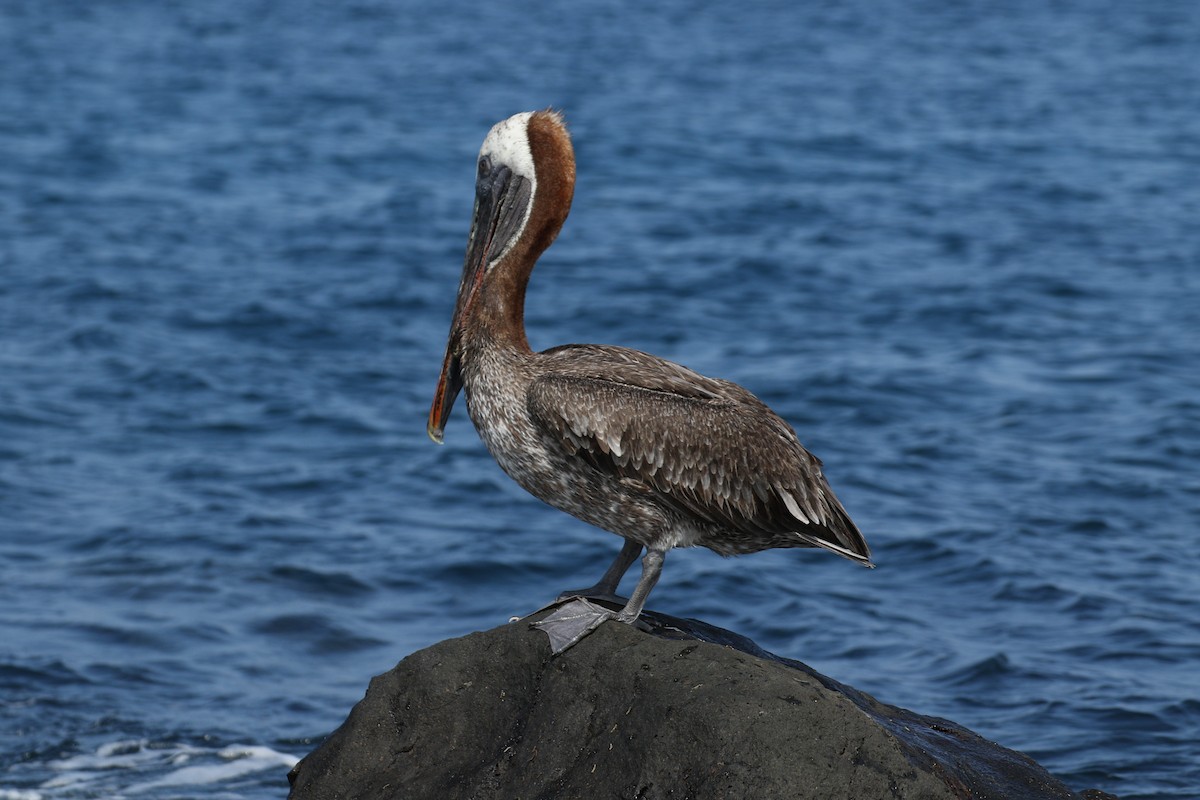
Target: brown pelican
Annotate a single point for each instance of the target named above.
(647, 449)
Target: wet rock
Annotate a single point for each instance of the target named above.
(692, 711)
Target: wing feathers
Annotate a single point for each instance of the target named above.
(790, 502)
(707, 448)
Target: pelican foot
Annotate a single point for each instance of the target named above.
(567, 626)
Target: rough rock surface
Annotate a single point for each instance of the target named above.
(689, 712)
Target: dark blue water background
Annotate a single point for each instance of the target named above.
(956, 245)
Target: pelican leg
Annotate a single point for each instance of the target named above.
(606, 587)
(569, 624)
(652, 564)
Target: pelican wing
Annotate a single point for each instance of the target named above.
(707, 448)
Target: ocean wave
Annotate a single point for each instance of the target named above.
(133, 768)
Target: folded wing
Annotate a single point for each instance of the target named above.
(704, 447)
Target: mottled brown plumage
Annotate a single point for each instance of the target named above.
(650, 450)
(705, 448)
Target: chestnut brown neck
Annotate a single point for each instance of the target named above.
(502, 308)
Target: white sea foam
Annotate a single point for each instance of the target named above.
(129, 768)
(18, 794)
(237, 761)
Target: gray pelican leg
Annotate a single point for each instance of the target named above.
(606, 587)
(568, 625)
(652, 564)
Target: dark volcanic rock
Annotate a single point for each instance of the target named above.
(690, 712)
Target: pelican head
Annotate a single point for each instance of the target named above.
(523, 188)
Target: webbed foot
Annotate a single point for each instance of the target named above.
(568, 625)
(578, 617)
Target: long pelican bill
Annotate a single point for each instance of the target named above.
(502, 201)
(448, 386)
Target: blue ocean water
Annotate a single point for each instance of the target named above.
(954, 244)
